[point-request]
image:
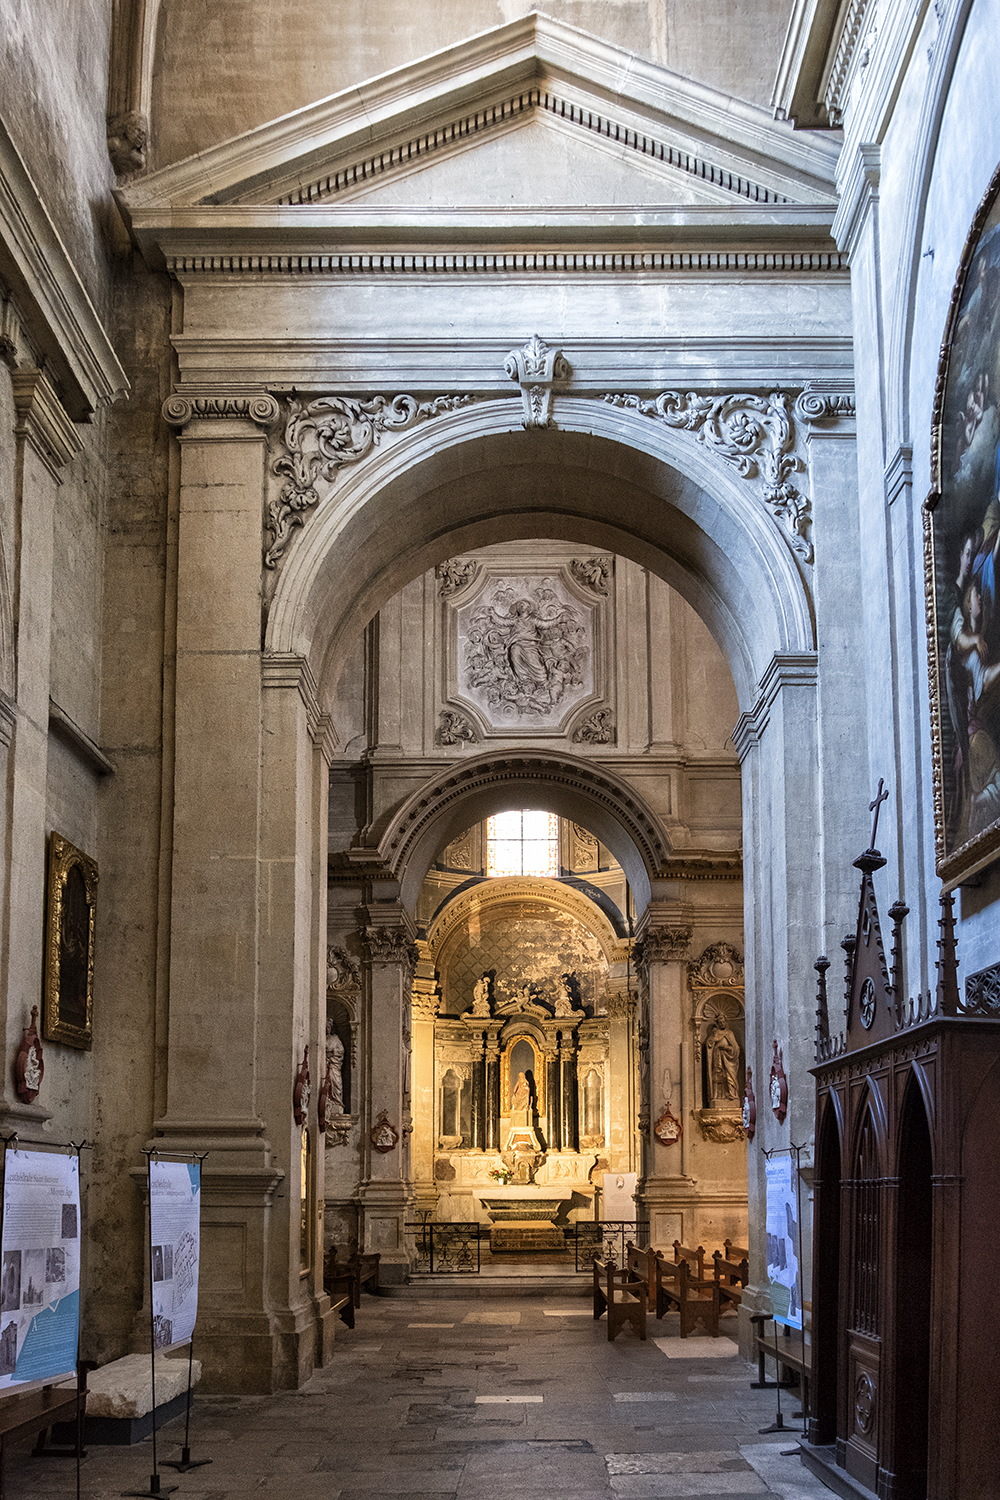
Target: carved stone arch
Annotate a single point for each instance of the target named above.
(476, 477)
(494, 781)
(453, 917)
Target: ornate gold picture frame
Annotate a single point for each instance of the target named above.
(67, 1014)
(962, 561)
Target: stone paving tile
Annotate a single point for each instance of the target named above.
(397, 1415)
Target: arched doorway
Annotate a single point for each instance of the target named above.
(604, 478)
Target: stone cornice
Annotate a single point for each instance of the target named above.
(83, 747)
(363, 240)
(425, 92)
(785, 669)
(58, 315)
(42, 420)
(288, 671)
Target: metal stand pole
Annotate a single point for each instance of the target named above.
(155, 1488)
(185, 1461)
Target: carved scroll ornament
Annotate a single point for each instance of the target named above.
(754, 434)
(536, 367)
(324, 435)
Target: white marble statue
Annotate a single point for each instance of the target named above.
(335, 1059)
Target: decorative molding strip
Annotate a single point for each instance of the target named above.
(500, 263)
(786, 669)
(502, 114)
(454, 729)
(753, 434)
(287, 670)
(593, 573)
(536, 367)
(455, 575)
(83, 747)
(599, 729)
(58, 315)
(323, 436)
(834, 88)
(180, 410)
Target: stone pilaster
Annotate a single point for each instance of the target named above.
(425, 1002)
(386, 1189)
(623, 1071)
(242, 914)
(45, 441)
(665, 1188)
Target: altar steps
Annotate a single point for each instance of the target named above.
(502, 1276)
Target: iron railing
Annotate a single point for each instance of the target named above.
(447, 1249)
(606, 1239)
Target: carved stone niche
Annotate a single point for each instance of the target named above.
(719, 1026)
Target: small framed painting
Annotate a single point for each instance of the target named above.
(69, 945)
(962, 557)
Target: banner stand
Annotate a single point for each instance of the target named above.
(156, 1487)
(778, 1425)
(42, 1448)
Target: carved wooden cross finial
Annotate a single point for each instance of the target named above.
(875, 806)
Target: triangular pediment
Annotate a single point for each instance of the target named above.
(533, 112)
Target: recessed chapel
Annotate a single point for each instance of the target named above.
(494, 505)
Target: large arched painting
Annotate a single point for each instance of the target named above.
(963, 556)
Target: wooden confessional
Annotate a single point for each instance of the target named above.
(906, 1224)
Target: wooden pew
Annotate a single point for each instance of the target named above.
(365, 1267)
(621, 1296)
(731, 1277)
(694, 1258)
(338, 1283)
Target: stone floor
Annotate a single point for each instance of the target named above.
(488, 1399)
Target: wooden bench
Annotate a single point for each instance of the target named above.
(731, 1276)
(787, 1352)
(338, 1283)
(38, 1410)
(621, 1296)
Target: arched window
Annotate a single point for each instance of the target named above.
(522, 843)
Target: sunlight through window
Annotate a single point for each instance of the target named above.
(522, 843)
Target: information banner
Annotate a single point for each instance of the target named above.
(174, 1246)
(782, 1243)
(39, 1267)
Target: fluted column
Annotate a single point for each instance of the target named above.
(569, 1134)
(553, 1101)
(492, 1094)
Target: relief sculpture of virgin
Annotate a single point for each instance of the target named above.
(527, 648)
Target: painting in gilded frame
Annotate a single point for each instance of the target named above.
(962, 552)
(69, 945)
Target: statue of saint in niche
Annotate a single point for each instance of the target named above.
(723, 1051)
(335, 1059)
(520, 1094)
